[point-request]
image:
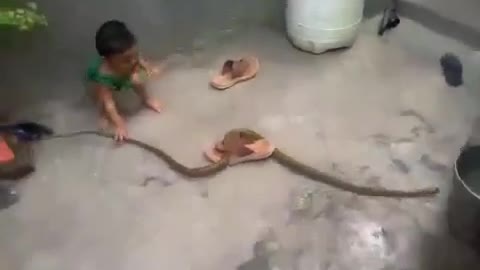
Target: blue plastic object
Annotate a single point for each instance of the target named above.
(27, 131)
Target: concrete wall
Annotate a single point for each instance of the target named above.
(162, 25)
(458, 19)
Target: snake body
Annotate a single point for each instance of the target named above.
(279, 156)
(196, 172)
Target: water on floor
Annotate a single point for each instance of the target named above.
(376, 114)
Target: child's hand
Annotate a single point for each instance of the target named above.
(153, 104)
(154, 70)
(120, 133)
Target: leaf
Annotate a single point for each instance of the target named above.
(23, 18)
(32, 5)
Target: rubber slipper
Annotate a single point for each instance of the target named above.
(6, 153)
(212, 154)
(235, 71)
(260, 149)
(216, 151)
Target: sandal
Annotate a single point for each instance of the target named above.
(235, 71)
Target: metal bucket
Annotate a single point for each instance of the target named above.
(464, 199)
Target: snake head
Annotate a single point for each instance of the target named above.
(234, 143)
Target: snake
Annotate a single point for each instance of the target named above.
(287, 161)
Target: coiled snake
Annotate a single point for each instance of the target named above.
(279, 156)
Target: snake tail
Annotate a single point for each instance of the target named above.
(316, 175)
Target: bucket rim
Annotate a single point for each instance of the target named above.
(457, 175)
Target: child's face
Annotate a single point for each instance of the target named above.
(124, 63)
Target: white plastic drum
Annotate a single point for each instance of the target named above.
(319, 25)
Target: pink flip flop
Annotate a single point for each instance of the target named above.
(6, 153)
(261, 149)
(235, 71)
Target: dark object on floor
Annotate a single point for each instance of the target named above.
(256, 263)
(8, 196)
(22, 165)
(27, 131)
(389, 20)
(464, 200)
(452, 69)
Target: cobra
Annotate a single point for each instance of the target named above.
(242, 136)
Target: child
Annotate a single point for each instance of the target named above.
(118, 67)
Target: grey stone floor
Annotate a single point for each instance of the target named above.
(377, 114)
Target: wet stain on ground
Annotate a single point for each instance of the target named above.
(412, 113)
(363, 169)
(158, 179)
(381, 139)
(204, 194)
(400, 165)
(404, 140)
(431, 164)
(374, 180)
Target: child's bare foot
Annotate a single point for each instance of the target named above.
(154, 104)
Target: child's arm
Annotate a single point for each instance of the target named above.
(143, 63)
(148, 67)
(105, 98)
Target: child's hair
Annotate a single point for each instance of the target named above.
(113, 37)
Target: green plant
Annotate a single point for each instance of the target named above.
(23, 18)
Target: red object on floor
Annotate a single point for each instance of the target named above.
(6, 154)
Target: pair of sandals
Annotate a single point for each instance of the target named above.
(232, 73)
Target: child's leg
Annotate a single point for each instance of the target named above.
(104, 121)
